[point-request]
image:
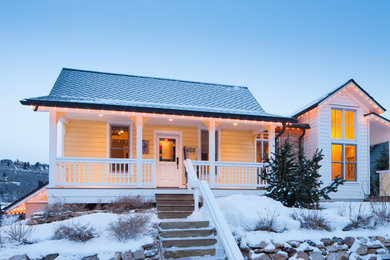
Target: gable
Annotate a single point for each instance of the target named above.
(349, 94)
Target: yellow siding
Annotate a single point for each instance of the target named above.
(85, 139)
(190, 138)
(385, 184)
(237, 146)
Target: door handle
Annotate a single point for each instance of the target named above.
(177, 162)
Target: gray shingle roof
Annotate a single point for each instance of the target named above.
(119, 90)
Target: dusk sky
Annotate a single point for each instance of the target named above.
(286, 52)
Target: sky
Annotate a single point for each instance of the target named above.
(286, 52)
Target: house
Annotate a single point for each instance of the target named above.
(114, 135)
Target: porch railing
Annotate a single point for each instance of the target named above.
(102, 171)
(231, 174)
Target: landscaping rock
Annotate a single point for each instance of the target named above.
(316, 256)
(380, 239)
(303, 255)
(331, 249)
(290, 251)
(349, 241)
(279, 256)
(259, 257)
(19, 257)
(51, 257)
(338, 240)
(278, 244)
(294, 243)
(151, 252)
(362, 239)
(91, 257)
(128, 255)
(362, 249)
(327, 241)
(139, 254)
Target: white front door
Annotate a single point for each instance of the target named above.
(168, 166)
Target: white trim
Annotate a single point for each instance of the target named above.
(25, 200)
(179, 152)
(199, 153)
(52, 148)
(129, 126)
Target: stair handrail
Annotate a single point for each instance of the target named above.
(223, 230)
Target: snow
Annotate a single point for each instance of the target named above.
(103, 245)
(243, 211)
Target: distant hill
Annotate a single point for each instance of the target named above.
(18, 178)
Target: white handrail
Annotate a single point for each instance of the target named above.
(223, 230)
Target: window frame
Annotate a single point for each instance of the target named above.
(261, 140)
(343, 162)
(217, 150)
(109, 140)
(343, 124)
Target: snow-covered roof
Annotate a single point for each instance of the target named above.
(99, 90)
(321, 99)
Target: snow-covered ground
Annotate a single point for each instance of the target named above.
(104, 245)
(242, 212)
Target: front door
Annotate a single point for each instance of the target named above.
(168, 160)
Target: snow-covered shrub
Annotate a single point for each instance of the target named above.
(74, 231)
(311, 219)
(381, 210)
(360, 217)
(129, 226)
(122, 204)
(59, 208)
(18, 232)
(266, 221)
(7, 219)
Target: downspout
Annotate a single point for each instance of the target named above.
(280, 134)
(300, 140)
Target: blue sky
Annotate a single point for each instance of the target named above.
(287, 52)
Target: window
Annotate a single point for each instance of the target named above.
(167, 150)
(342, 124)
(344, 161)
(119, 142)
(262, 146)
(204, 145)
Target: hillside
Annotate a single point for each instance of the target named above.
(19, 178)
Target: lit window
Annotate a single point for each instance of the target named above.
(344, 161)
(262, 146)
(342, 120)
(119, 142)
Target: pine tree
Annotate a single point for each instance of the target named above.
(294, 180)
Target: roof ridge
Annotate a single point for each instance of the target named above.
(158, 78)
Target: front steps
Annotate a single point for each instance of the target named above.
(181, 238)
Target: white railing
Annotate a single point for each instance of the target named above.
(224, 233)
(102, 171)
(231, 174)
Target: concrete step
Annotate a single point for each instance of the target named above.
(173, 214)
(174, 208)
(174, 197)
(186, 233)
(180, 254)
(175, 202)
(189, 242)
(183, 224)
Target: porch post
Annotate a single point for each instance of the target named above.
(52, 148)
(212, 152)
(139, 124)
(271, 139)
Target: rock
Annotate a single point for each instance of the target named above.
(150, 252)
(372, 258)
(316, 256)
(349, 241)
(326, 241)
(118, 256)
(331, 248)
(128, 255)
(362, 239)
(354, 256)
(380, 239)
(148, 246)
(337, 256)
(290, 251)
(303, 255)
(279, 256)
(338, 240)
(51, 257)
(310, 243)
(91, 257)
(139, 254)
(261, 245)
(259, 257)
(277, 244)
(294, 243)
(362, 249)
(381, 251)
(19, 257)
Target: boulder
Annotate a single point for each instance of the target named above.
(290, 251)
(51, 257)
(91, 257)
(128, 255)
(139, 254)
(316, 256)
(279, 256)
(277, 244)
(303, 255)
(362, 249)
(19, 257)
(332, 248)
(338, 240)
(380, 239)
(349, 241)
(294, 243)
(259, 257)
(337, 256)
(326, 241)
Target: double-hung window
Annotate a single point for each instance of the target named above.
(262, 146)
(344, 145)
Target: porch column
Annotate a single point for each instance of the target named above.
(212, 152)
(271, 136)
(139, 125)
(52, 148)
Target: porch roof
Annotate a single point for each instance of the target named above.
(120, 92)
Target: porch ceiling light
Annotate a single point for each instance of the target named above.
(234, 123)
(100, 115)
(170, 119)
